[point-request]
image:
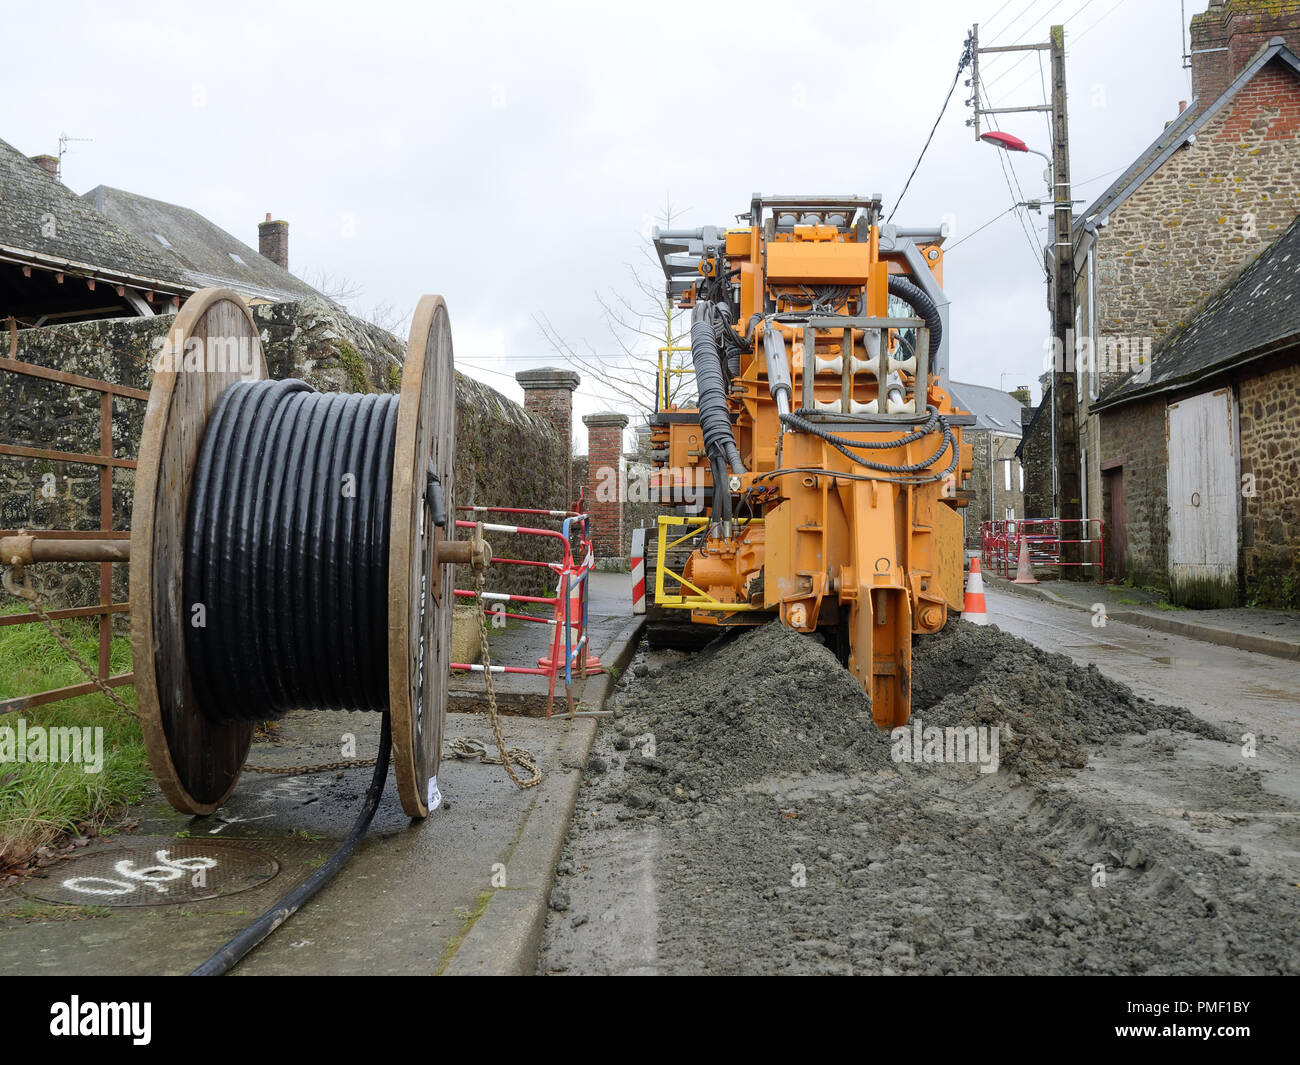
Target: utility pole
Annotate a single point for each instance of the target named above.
(1066, 478)
(1065, 401)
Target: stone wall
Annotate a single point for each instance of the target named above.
(1209, 210)
(312, 340)
(1269, 417)
(1134, 437)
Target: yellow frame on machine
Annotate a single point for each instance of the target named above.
(666, 371)
(700, 601)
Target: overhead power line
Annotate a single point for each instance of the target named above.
(1103, 18)
(961, 65)
(980, 229)
(1007, 28)
(993, 18)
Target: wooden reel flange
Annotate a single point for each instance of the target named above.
(195, 760)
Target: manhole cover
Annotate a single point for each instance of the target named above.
(164, 871)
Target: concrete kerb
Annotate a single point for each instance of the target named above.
(505, 938)
(1242, 641)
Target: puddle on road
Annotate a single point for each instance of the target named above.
(1166, 661)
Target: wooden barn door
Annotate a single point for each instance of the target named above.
(1116, 523)
(1202, 483)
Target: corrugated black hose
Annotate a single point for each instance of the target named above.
(914, 295)
(715, 415)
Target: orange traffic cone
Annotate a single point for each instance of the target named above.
(973, 609)
(1024, 568)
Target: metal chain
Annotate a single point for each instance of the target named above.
(28, 593)
(299, 770)
(508, 757)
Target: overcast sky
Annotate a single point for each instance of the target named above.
(511, 155)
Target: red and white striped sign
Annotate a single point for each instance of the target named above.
(638, 571)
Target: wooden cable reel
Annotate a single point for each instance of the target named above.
(197, 759)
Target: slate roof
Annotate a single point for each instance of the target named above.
(42, 221)
(993, 409)
(1252, 316)
(1175, 135)
(200, 250)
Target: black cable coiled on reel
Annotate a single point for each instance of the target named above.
(287, 552)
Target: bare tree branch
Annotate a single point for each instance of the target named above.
(333, 286)
(643, 323)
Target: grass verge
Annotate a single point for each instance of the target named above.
(42, 802)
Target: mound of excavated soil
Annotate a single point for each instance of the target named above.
(769, 829)
(770, 700)
(970, 674)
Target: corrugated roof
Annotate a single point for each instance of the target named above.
(994, 410)
(1254, 315)
(198, 248)
(42, 220)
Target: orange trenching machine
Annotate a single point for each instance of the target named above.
(827, 449)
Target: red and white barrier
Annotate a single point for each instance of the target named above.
(638, 571)
(569, 654)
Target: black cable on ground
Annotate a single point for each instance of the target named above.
(229, 955)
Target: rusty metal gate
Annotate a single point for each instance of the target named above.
(107, 462)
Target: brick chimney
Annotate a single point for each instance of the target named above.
(1022, 394)
(1226, 36)
(273, 240)
(548, 393)
(48, 163)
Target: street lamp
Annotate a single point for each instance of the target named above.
(1009, 143)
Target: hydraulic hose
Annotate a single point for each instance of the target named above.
(715, 417)
(914, 295)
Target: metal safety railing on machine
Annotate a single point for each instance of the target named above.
(1000, 543)
(667, 371)
(570, 654)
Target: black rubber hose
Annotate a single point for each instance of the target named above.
(715, 416)
(914, 295)
(721, 489)
(287, 552)
(230, 954)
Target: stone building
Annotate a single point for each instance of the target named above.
(996, 484)
(113, 254)
(1035, 454)
(1218, 185)
(1201, 459)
